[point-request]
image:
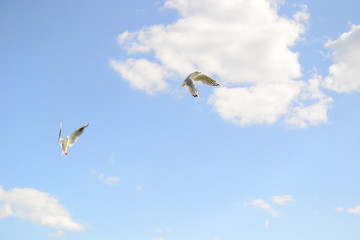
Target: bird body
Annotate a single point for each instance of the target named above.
(198, 76)
(70, 141)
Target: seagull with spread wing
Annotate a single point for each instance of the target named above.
(198, 76)
(70, 141)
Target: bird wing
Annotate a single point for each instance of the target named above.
(192, 88)
(76, 134)
(206, 80)
(63, 143)
(60, 133)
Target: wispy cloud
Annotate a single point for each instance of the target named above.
(112, 181)
(355, 210)
(37, 207)
(263, 205)
(281, 200)
(340, 209)
(139, 187)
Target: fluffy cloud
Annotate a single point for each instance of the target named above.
(314, 112)
(262, 103)
(37, 207)
(142, 74)
(345, 52)
(266, 206)
(355, 210)
(281, 200)
(223, 38)
(239, 43)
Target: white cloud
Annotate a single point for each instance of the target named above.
(345, 52)
(57, 234)
(266, 206)
(139, 187)
(340, 209)
(313, 113)
(37, 207)
(281, 200)
(237, 42)
(112, 181)
(142, 74)
(302, 16)
(355, 210)
(261, 103)
(226, 38)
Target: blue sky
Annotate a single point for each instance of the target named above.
(273, 153)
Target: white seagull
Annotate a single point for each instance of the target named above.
(198, 76)
(69, 141)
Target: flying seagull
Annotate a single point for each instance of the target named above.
(198, 76)
(69, 141)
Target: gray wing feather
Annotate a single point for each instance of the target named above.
(192, 87)
(60, 133)
(206, 80)
(76, 134)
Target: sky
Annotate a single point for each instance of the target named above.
(270, 154)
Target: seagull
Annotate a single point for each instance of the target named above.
(69, 141)
(198, 76)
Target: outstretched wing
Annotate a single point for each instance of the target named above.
(76, 134)
(206, 80)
